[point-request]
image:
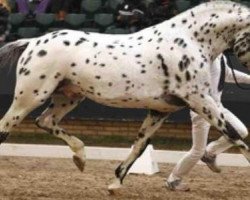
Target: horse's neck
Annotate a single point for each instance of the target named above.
(214, 26)
(216, 35)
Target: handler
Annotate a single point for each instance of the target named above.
(220, 71)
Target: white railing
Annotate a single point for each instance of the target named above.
(104, 153)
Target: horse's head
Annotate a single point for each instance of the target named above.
(241, 47)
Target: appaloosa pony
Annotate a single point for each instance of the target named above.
(161, 68)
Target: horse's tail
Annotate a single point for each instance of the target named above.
(10, 53)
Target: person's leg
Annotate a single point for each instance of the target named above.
(218, 146)
(66, 5)
(55, 6)
(42, 6)
(200, 129)
(22, 6)
(212, 150)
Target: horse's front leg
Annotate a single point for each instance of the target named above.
(224, 120)
(148, 128)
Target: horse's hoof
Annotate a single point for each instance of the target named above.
(114, 186)
(79, 162)
(3, 136)
(111, 192)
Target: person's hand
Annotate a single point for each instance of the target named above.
(165, 3)
(119, 18)
(2, 38)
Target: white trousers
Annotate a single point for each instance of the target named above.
(200, 129)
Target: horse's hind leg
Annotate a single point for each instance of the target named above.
(148, 128)
(27, 97)
(59, 107)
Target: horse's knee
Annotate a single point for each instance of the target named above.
(234, 128)
(244, 133)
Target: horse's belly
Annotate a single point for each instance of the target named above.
(126, 90)
(152, 103)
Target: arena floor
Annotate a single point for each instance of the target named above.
(25, 178)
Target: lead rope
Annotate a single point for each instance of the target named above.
(234, 76)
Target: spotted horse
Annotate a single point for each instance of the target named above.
(161, 68)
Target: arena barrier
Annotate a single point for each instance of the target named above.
(106, 153)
